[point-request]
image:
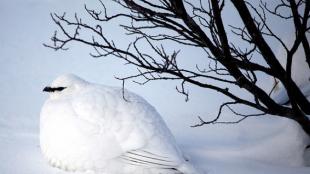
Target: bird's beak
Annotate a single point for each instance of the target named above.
(53, 89)
(47, 89)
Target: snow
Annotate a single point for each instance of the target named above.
(216, 149)
(268, 145)
(249, 144)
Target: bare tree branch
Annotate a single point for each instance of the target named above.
(199, 25)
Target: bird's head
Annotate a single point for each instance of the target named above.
(64, 85)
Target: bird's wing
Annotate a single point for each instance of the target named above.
(149, 160)
(133, 127)
(143, 135)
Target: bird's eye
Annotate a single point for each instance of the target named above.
(53, 89)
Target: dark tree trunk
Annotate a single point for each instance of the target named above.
(304, 122)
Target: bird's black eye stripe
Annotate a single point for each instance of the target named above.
(53, 89)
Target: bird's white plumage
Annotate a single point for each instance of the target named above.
(88, 126)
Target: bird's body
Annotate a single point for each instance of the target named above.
(86, 126)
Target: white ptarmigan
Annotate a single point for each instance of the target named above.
(90, 127)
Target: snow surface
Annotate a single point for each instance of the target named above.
(263, 145)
